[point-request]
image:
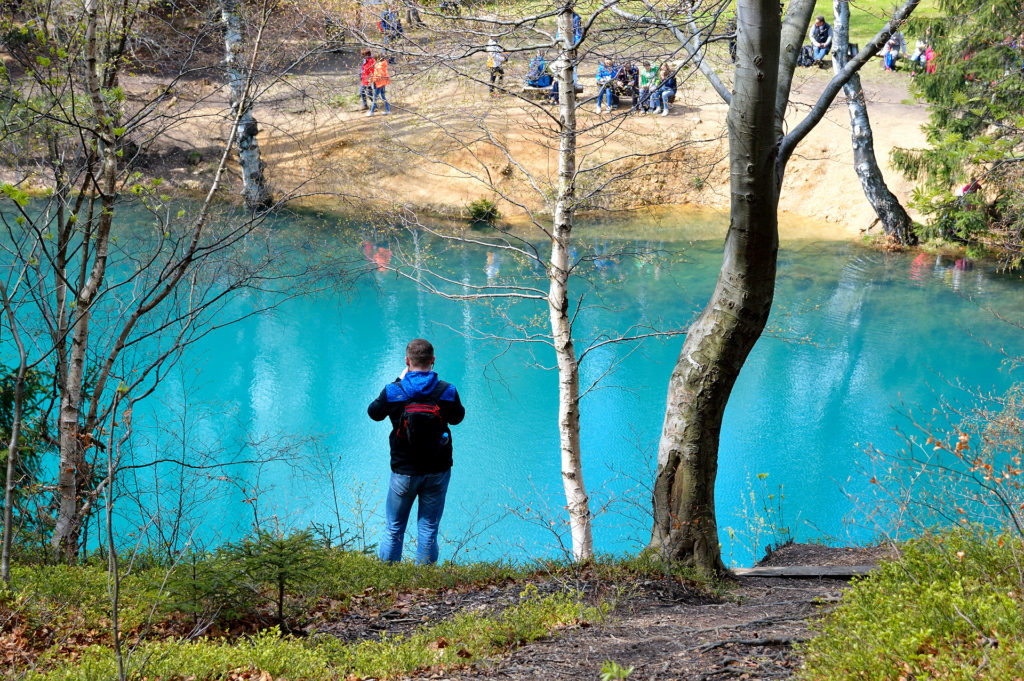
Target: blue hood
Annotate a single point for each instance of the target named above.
(419, 383)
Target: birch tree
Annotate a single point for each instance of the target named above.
(119, 276)
(718, 342)
(255, 190)
(693, 35)
(456, 49)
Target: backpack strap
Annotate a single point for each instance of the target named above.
(438, 390)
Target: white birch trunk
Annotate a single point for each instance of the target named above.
(577, 502)
(255, 191)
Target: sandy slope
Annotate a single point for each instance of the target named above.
(313, 133)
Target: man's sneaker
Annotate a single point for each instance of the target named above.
(655, 109)
(370, 112)
(387, 111)
(598, 108)
(664, 112)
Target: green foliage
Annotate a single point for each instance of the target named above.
(950, 607)
(270, 573)
(453, 643)
(64, 598)
(276, 577)
(764, 527)
(34, 442)
(975, 127)
(613, 671)
(483, 211)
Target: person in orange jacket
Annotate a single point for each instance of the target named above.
(366, 79)
(381, 79)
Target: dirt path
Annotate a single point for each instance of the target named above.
(664, 632)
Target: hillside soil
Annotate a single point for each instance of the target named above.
(432, 156)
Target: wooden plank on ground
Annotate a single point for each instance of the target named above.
(807, 571)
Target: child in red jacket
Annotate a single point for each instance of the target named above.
(366, 79)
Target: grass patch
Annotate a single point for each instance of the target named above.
(455, 643)
(60, 613)
(868, 16)
(951, 607)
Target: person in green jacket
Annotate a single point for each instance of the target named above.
(648, 77)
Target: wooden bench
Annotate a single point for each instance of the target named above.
(542, 92)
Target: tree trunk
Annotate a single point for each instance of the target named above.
(577, 502)
(255, 191)
(890, 212)
(718, 343)
(12, 445)
(74, 476)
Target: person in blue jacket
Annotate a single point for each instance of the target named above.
(421, 408)
(606, 74)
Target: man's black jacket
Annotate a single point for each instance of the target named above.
(391, 403)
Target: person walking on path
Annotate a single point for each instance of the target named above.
(496, 58)
(366, 79)
(421, 408)
(381, 80)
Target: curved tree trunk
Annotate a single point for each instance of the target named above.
(254, 185)
(577, 502)
(718, 343)
(890, 212)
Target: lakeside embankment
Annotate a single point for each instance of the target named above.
(314, 138)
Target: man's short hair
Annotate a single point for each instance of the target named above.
(420, 352)
(820, 17)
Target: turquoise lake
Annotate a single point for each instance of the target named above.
(857, 337)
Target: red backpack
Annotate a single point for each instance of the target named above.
(421, 425)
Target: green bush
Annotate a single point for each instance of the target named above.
(270, 574)
(951, 607)
(484, 211)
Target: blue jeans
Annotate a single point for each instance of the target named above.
(819, 53)
(661, 97)
(643, 101)
(381, 93)
(402, 490)
(605, 89)
(366, 94)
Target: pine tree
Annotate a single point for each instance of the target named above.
(975, 128)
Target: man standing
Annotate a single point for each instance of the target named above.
(421, 408)
(821, 38)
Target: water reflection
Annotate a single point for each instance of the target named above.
(856, 332)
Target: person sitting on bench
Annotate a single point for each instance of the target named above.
(665, 91)
(821, 38)
(606, 74)
(627, 83)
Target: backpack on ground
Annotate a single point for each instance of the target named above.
(421, 424)
(806, 57)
